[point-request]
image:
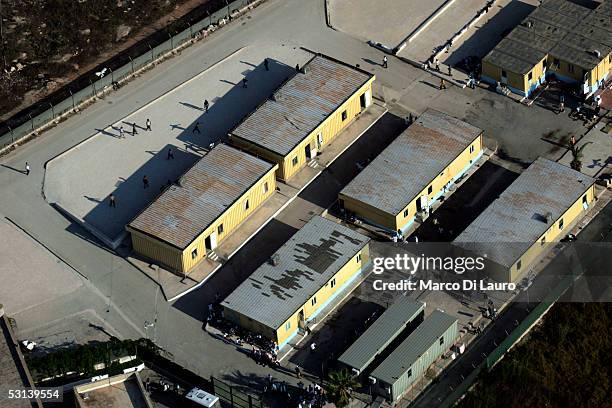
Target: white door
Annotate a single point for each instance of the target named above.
(319, 141)
(368, 97)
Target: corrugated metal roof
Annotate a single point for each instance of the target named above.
(577, 32)
(517, 219)
(300, 105)
(411, 161)
(205, 191)
(407, 353)
(304, 265)
(381, 333)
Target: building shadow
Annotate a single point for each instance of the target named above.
(237, 269)
(323, 191)
(488, 35)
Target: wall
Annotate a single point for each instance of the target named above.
(552, 235)
(182, 260)
(323, 295)
(516, 81)
(368, 213)
(329, 129)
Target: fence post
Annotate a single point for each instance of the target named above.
(72, 96)
(12, 134)
(231, 395)
(209, 17)
(151, 48)
(228, 9)
(190, 30)
(171, 41)
(131, 62)
(250, 401)
(31, 121)
(52, 111)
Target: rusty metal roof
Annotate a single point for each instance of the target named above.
(300, 105)
(518, 218)
(304, 264)
(411, 162)
(183, 211)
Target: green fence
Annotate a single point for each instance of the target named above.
(30, 123)
(234, 397)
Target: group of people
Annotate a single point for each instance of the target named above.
(312, 396)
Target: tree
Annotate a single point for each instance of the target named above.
(576, 163)
(341, 384)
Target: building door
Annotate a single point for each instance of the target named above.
(301, 320)
(308, 152)
(211, 242)
(365, 99)
(421, 203)
(504, 77)
(319, 141)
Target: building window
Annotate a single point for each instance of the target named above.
(561, 224)
(194, 253)
(333, 282)
(344, 115)
(287, 326)
(294, 161)
(570, 68)
(543, 240)
(518, 265)
(529, 76)
(265, 187)
(472, 149)
(504, 74)
(442, 340)
(220, 229)
(358, 258)
(246, 205)
(405, 213)
(313, 301)
(584, 199)
(409, 373)
(429, 189)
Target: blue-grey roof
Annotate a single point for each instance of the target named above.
(517, 219)
(411, 162)
(300, 105)
(304, 265)
(183, 211)
(381, 333)
(419, 341)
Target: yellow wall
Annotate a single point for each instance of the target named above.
(231, 218)
(552, 235)
(281, 334)
(329, 129)
(601, 70)
(399, 221)
(515, 80)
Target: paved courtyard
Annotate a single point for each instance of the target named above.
(81, 179)
(386, 21)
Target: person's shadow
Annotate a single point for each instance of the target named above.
(14, 169)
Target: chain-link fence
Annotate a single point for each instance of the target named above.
(18, 128)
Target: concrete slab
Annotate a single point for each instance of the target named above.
(386, 21)
(31, 275)
(80, 180)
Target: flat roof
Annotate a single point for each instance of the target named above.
(184, 210)
(517, 219)
(304, 264)
(381, 333)
(407, 353)
(301, 104)
(13, 372)
(411, 162)
(577, 34)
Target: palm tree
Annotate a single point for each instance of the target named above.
(576, 162)
(341, 384)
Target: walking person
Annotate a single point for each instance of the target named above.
(297, 67)
(437, 65)
(134, 132)
(244, 82)
(121, 135)
(442, 84)
(196, 128)
(450, 72)
(298, 372)
(206, 105)
(27, 169)
(170, 154)
(385, 62)
(112, 201)
(266, 64)
(145, 182)
(148, 125)
(562, 103)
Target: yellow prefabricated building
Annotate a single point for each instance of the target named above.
(190, 218)
(417, 168)
(305, 114)
(532, 214)
(303, 278)
(559, 38)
